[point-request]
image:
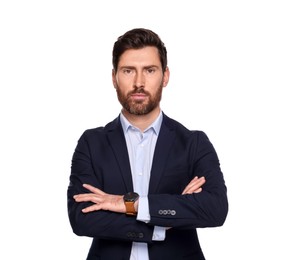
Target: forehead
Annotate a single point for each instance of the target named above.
(140, 57)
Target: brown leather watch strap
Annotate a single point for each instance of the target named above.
(130, 210)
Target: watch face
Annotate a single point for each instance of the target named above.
(131, 196)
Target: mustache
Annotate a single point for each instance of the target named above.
(138, 91)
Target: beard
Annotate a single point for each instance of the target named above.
(137, 107)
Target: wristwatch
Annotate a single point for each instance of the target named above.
(129, 199)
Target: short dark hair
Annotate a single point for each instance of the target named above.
(136, 39)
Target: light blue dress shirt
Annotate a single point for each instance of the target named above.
(141, 146)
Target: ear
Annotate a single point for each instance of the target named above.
(114, 81)
(166, 77)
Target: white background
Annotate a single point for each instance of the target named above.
(231, 66)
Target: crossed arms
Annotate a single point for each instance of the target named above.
(115, 203)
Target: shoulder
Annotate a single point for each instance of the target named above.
(184, 138)
(180, 129)
(102, 130)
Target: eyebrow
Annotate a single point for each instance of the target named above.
(144, 67)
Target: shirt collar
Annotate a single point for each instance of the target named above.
(156, 125)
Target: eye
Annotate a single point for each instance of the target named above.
(127, 71)
(151, 70)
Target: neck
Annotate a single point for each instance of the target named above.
(142, 122)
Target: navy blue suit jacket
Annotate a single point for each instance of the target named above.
(101, 159)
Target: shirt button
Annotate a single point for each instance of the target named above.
(140, 173)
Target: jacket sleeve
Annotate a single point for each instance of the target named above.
(208, 208)
(99, 224)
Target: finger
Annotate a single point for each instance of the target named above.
(92, 208)
(194, 185)
(193, 191)
(190, 184)
(87, 197)
(199, 182)
(93, 189)
(195, 181)
(198, 190)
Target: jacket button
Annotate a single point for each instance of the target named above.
(140, 235)
(161, 212)
(130, 234)
(173, 212)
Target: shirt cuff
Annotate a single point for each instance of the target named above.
(159, 233)
(143, 213)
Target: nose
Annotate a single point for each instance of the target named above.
(139, 80)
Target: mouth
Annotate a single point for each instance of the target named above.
(138, 96)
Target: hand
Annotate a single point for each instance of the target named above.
(194, 186)
(101, 200)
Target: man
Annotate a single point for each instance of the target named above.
(141, 185)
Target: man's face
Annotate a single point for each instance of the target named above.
(139, 80)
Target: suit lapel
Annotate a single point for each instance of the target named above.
(163, 146)
(117, 141)
(118, 144)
